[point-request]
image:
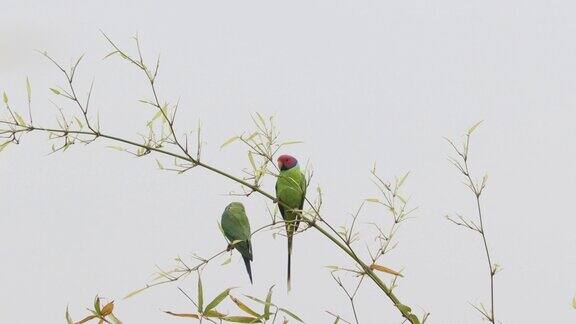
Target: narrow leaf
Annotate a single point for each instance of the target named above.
(251, 137)
(258, 300)
(251, 159)
(403, 179)
(160, 166)
(213, 313)
(261, 119)
(19, 119)
(181, 315)
(86, 319)
(216, 301)
(229, 141)
(386, 270)
(200, 295)
(79, 122)
(268, 302)
(55, 91)
(68, 317)
(473, 128)
(114, 319)
(5, 97)
(135, 292)
(244, 307)
(4, 145)
(97, 305)
(290, 143)
(241, 319)
(28, 90)
(227, 261)
(294, 316)
(109, 54)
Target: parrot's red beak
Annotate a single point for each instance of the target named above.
(280, 165)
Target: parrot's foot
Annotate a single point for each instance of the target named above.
(230, 247)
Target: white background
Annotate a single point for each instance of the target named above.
(359, 82)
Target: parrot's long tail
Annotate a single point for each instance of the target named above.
(289, 260)
(248, 268)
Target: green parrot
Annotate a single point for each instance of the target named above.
(236, 227)
(291, 193)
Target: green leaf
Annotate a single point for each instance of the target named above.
(160, 166)
(97, 305)
(374, 200)
(55, 91)
(258, 300)
(79, 122)
(268, 302)
(227, 261)
(251, 137)
(4, 145)
(251, 159)
(213, 313)
(241, 319)
(574, 302)
(473, 128)
(244, 307)
(19, 119)
(68, 317)
(109, 54)
(216, 301)
(200, 295)
(291, 314)
(401, 181)
(290, 143)
(114, 319)
(229, 141)
(77, 62)
(165, 113)
(5, 97)
(86, 319)
(261, 119)
(135, 292)
(28, 89)
(181, 314)
(117, 148)
(156, 116)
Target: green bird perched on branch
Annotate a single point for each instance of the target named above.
(291, 193)
(236, 228)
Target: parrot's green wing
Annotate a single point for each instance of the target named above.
(236, 227)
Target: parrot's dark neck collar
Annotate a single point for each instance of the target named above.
(288, 167)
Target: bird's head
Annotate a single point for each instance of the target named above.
(286, 162)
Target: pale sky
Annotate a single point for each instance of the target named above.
(359, 82)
